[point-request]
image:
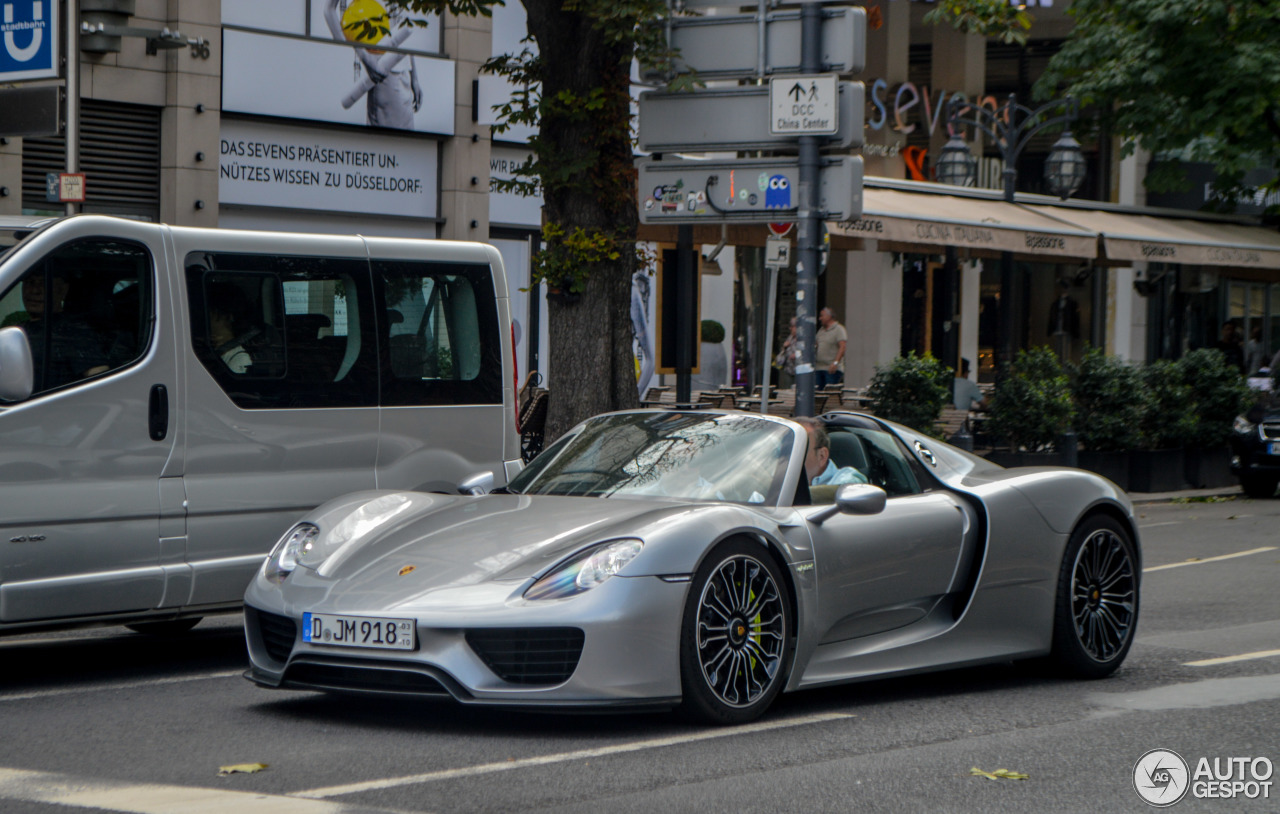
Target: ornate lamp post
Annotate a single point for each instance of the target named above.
(1011, 128)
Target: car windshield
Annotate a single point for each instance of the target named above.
(688, 456)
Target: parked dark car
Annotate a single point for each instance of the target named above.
(1255, 450)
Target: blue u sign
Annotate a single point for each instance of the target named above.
(28, 39)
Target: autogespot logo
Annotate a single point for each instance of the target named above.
(1161, 777)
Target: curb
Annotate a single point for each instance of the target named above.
(1143, 498)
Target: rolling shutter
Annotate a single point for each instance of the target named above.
(119, 154)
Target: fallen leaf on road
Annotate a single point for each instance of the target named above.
(998, 774)
(241, 768)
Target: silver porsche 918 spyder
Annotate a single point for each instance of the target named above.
(659, 558)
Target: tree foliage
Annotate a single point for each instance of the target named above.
(1195, 78)
(988, 18)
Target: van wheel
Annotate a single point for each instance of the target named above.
(170, 627)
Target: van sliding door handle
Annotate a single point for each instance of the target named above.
(158, 414)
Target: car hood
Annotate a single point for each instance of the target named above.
(443, 541)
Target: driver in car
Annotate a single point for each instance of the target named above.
(822, 471)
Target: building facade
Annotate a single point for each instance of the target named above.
(265, 118)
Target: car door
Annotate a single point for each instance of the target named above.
(81, 460)
(282, 387)
(885, 571)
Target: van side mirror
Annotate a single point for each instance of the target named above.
(478, 484)
(17, 371)
(852, 498)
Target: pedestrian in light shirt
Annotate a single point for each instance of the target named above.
(828, 358)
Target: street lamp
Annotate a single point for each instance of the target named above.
(956, 165)
(1011, 128)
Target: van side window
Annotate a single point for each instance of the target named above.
(277, 331)
(440, 333)
(86, 309)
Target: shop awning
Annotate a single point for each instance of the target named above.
(916, 219)
(1126, 238)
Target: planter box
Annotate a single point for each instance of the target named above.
(1007, 458)
(1114, 466)
(1155, 470)
(1208, 468)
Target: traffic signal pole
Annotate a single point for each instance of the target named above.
(809, 226)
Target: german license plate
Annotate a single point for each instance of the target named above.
(1273, 448)
(358, 631)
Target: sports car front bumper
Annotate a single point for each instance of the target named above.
(630, 638)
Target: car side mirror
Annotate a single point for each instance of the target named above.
(480, 483)
(17, 374)
(852, 498)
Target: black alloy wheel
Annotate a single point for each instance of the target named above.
(1096, 611)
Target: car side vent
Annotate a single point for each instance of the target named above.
(529, 655)
(278, 633)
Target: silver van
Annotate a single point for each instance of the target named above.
(172, 398)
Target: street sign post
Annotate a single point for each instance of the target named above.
(807, 109)
(727, 46)
(743, 118)
(756, 190)
(777, 253)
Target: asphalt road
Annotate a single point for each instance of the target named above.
(109, 720)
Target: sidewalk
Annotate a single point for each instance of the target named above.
(1164, 497)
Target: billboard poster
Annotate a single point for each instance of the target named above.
(512, 208)
(28, 40)
(333, 171)
(328, 81)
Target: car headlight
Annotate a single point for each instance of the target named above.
(1243, 425)
(296, 542)
(585, 570)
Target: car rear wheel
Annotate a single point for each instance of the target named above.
(169, 627)
(736, 638)
(1259, 486)
(1097, 602)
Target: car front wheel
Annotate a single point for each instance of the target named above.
(736, 638)
(1097, 602)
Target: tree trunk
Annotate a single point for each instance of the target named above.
(584, 139)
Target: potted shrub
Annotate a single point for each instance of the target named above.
(1031, 408)
(911, 390)
(1218, 395)
(1166, 421)
(1107, 413)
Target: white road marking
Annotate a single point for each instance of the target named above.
(1166, 523)
(148, 798)
(564, 757)
(127, 685)
(1260, 654)
(1209, 559)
